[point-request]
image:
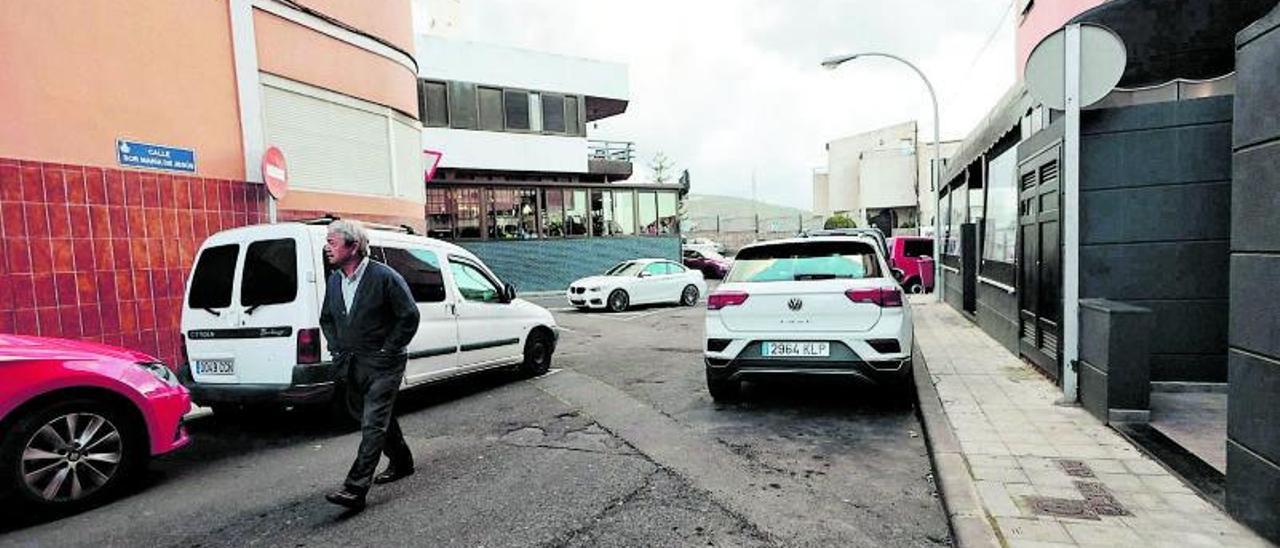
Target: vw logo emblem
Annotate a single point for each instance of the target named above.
(795, 304)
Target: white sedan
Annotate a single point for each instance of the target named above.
(638, 281)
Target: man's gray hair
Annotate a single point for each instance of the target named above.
(352, 232)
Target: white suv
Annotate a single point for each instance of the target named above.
(808, 306)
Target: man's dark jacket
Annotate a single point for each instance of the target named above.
(383, 316)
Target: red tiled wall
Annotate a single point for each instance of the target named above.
(103, 254)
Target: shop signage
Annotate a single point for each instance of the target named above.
(151, 156)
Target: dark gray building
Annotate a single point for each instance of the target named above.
(1179, 251)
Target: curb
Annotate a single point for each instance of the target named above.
(970, 526)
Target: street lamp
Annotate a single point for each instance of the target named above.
(832, 63)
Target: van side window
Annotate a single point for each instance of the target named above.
(375, 254)
(212, 279)
(270, 273)
(420, 269)
(473, 284)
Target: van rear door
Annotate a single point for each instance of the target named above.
(273, 312)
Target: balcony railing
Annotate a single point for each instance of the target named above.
(617, 151)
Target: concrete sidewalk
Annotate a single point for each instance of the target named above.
(1049, 475)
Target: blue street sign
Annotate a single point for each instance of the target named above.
(147, 155)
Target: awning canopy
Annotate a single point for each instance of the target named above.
(1006, 114)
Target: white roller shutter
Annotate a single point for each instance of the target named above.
(329, 146)
(408, 161)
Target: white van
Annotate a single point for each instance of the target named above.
(251, 317)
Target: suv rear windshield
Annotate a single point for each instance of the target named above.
(917, 248)
(270, 273)
(212, 279)
(805, 261)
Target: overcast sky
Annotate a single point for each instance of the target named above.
(727, 86)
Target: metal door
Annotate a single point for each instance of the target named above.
(1040, 260)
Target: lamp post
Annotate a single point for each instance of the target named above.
(832, 63)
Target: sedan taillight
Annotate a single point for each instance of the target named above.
(889, 298)
(309, 345)
(721, 299)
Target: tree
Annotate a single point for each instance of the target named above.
(662, 168)
(839, 220)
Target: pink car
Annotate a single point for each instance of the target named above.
(79, 419)
(913, 255)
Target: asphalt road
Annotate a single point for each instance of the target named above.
(619, 446)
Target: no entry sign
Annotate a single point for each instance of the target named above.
(275, 173)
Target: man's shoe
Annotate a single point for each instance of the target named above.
(347, 499)
(392, 474)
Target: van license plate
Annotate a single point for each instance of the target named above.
(215, 367)
(795, 349)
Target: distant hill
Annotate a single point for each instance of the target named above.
(709, 205)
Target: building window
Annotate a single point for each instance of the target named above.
(441, 213)
(668, 217)
(602, 223)
(575, 212)
(535, 112)
(571, 115)
(469, 208)
(462, 109)
(435, 104)
(514, 214)
(552, 213)
(490, 109)
(647, 208)
(517, 109)
(624, 213)
(553, 113)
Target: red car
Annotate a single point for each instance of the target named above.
(913, 255)
(79, 419)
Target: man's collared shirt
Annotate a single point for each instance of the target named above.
(351, 283)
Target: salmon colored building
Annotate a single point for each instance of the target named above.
(96, 247)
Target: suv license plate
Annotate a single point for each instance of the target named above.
(795, 349)
(216, 367)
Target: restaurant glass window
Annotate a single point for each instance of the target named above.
(958, 215)
(668, 215)
(516, 104)
(490, 109)
(553, 113)
(552, 213)
(575, 212)
(469, 212)
(1000, 243)
(624, 213)
(647, 208)
(602, 223)
(441, 213)
(504, 219)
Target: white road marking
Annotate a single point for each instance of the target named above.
(644, 315)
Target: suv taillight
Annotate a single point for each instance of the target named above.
(721, 299)
(183, 347)
(309, 345)
(889, 298)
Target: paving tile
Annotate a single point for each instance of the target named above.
(996, 499)
(1122, 483)
(1037, 544)
(1030, 529)
(1086, 534)
(1001, 474)
(1144, 467)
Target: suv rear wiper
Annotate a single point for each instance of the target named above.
(800, 277)
(211, 311)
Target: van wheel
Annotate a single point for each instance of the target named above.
(914, 287)
(690, 296)
(619, 301)
(70, 455)
(537, 354)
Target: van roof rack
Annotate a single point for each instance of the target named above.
(329, 218)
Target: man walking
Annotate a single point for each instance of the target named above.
(368, 317)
